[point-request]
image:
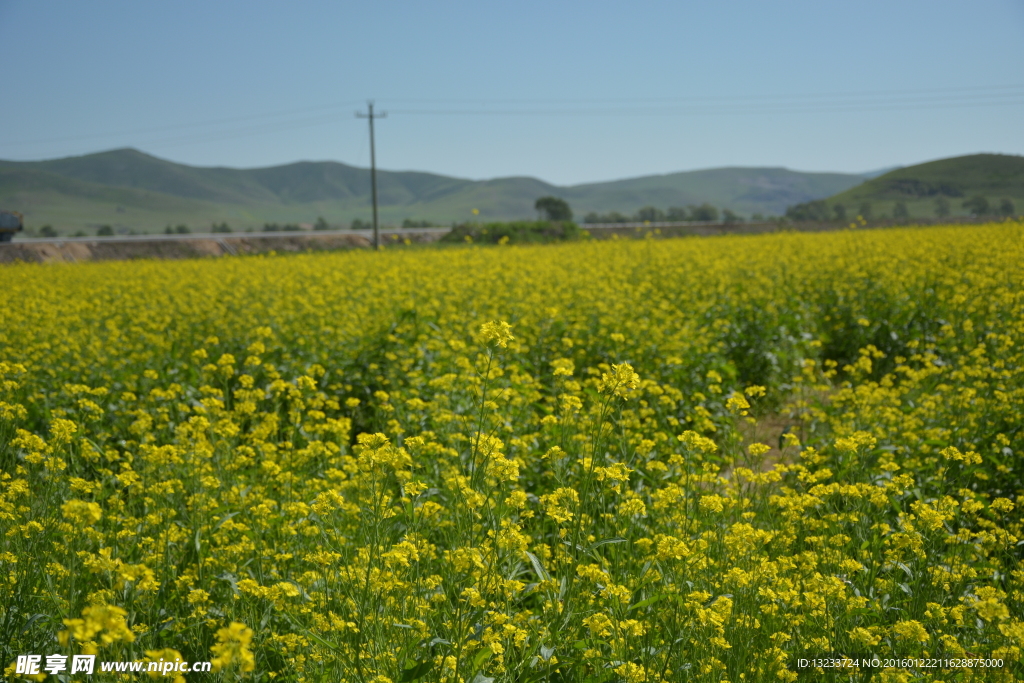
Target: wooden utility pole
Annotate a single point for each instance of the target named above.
(373, 169)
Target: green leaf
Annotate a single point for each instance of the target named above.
(414, 673)
(480, 657)
(589, 643)
(647, 603)
(318, 639)
(538, 567)
(607, 541)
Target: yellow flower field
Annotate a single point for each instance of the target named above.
(639, 461)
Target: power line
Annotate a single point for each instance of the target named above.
(794, 103)
(217, 136)
(244, 132)
(716, 98)
(899, 95)
(823, 109)
(905, 100)
(194, 124)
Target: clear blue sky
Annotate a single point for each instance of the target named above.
(565, 91)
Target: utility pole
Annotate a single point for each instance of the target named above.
(373, 169)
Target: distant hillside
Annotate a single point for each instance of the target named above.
(129, 189)
(744, 190)
(879, 171)
(924, 188)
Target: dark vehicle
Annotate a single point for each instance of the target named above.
(10, 223)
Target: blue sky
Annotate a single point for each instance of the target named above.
(568, 92)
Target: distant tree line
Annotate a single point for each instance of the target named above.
(980, 206)
(822, 211)
(703, 213)
(514, 232)
(360, 224)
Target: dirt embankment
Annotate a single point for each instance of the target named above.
(119, 250)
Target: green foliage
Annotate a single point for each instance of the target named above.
(650, 213)
(321, 224)
(514, 232)
(610, 217)
(287, 227)
(410, 223)
(941, 207)
(105, 231)
(47, 231)
(553, 208)
(704, 212)
(977, 205)
(729, 217)
(220, 227)
(900, 211)
(810, 211)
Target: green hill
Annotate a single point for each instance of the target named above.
(744, 190)
(129, 189)
(924, 188)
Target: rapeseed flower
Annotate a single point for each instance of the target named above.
(190, 446)
(232, 648)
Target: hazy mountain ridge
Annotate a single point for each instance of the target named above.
(952, 184)
(953, 177)
(129, 188)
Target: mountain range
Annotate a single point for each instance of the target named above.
(994, 177)
(131, 190)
